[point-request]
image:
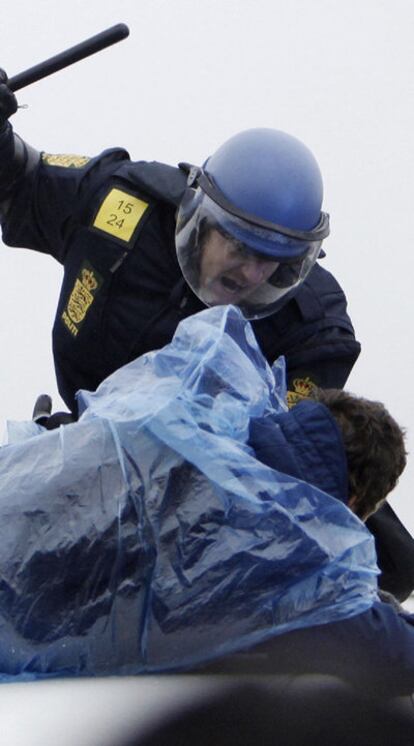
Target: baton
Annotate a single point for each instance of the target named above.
(69, 56)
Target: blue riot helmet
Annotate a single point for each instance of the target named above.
(250, 226)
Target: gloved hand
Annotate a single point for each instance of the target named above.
(8, 101)
(42, 414)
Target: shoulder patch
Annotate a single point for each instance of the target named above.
(119, 214)
(65, 161)
(302, 389)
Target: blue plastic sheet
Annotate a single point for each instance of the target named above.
(146, 537)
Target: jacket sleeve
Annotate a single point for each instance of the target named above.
(314, 333)
(17, 160)
(328, 349)
(42, 196)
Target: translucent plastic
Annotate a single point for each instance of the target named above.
(216, 252)
(147, 537)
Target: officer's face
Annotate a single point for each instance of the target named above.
(229, 272)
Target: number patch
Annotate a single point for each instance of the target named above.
(119, 214)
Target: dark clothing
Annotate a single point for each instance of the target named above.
(373, 651)
(305, 443)
(151, 539)
(276, 711)
(133, 295)
(165, 544)
(123, 293)
(394, 544)
(395, 552)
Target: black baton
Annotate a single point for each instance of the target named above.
(69, 56)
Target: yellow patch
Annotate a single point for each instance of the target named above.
(302, 389)
(79, 302)
(65, 161)
(119, 214)
(81, 298)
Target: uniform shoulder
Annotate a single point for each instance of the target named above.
(322, 280)
(91, 175)
(159, 180)
(74, 162)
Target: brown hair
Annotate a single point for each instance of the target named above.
(374, 447)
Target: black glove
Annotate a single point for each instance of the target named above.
(42, 414)
(8, 101)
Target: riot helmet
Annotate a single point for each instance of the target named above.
(250, 226)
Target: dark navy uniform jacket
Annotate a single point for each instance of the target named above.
(111, 223)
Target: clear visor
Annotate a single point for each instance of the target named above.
(227, 260)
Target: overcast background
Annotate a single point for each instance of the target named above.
(338, 75)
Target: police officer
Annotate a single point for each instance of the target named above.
(144, 245)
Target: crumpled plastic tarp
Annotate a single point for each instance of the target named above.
(146, 537)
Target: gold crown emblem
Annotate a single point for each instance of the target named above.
(303, 386)
(89, 280)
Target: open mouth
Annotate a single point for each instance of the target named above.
(231, 285)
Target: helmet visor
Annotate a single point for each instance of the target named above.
(227, 260)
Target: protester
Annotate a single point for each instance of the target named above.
(149, 536)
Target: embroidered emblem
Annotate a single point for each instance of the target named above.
(302, 389)
(65, 161)
(81, 298)
(119, 214)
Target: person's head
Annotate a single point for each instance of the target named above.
(374, 448)
(250, 226)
